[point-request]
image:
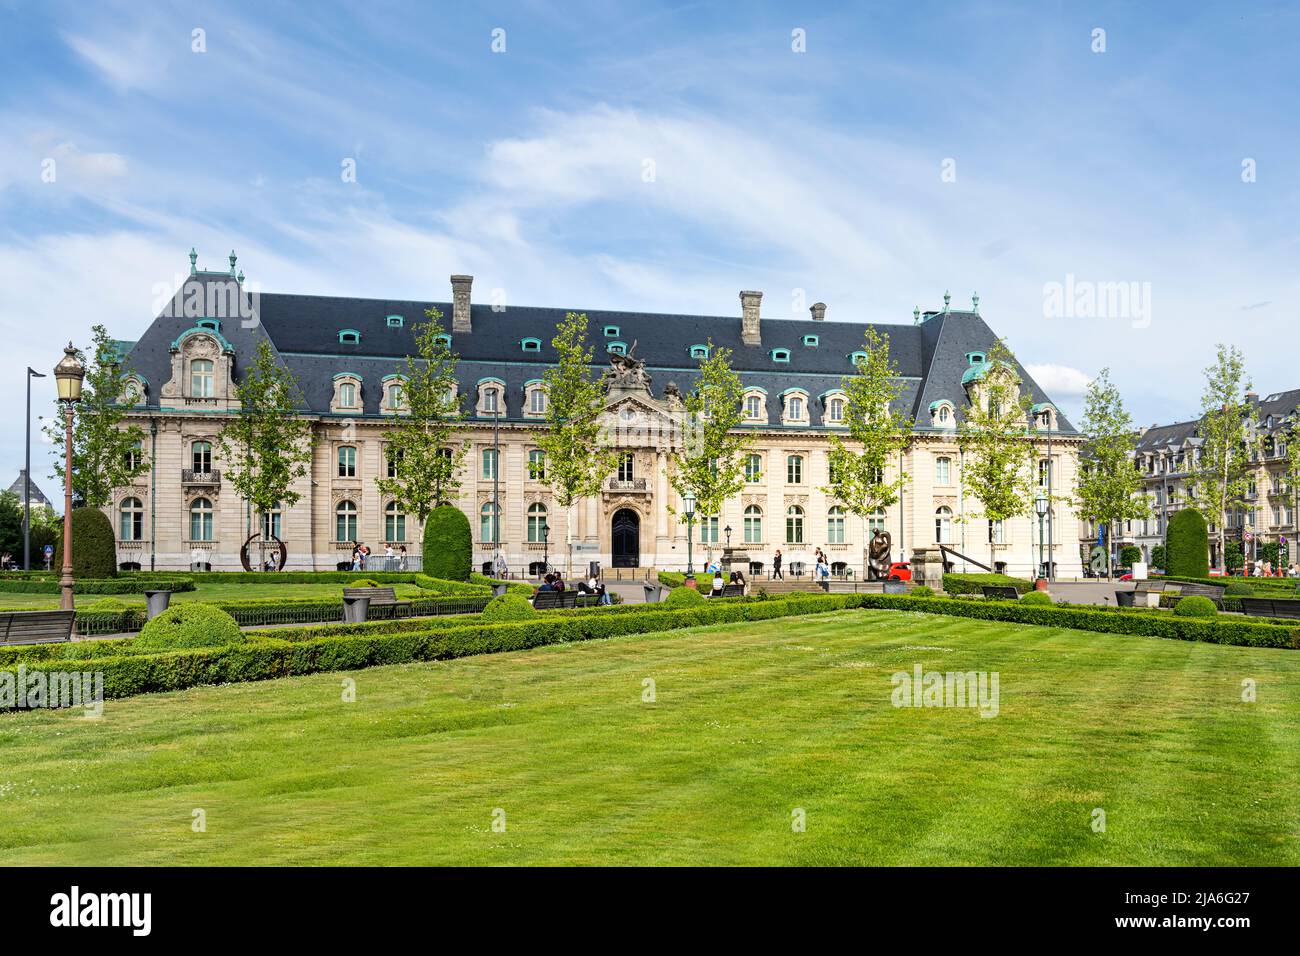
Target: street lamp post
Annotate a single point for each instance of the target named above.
(688, 507)
(1040, 505)
(69, 374)
(27, 476)
(546, 547)
(727, 532)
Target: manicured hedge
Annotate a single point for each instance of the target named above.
(1220, 630)
(1188, 544)
(122, 585)
(265, 658)
(448, 547)
(94, 548)
(975, 583)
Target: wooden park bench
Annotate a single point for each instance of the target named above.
(379, 597)
(550, 600)
(732, 590)
(36, 627)
(1212, 591)
(1270, 607)
(1000, 592)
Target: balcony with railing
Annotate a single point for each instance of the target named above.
(210, 478)
(628, 484)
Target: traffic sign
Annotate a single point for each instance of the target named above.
(49, 550)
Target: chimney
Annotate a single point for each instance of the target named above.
(1252, 398)
(818, 311)
(749, 331)
(460, 303)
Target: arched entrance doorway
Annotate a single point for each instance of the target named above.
(625, 539)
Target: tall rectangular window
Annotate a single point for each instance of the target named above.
(347, 461)
(489, 463)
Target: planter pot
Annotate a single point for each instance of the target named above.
(652, 593)
(1040, 584)
(356, 610)
(158, 602)
(690, 582)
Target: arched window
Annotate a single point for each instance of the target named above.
(794, 525)
(491, 400)
(132, 522)
(753, 406)
(345, 521)
(201, 520)
(754, 469)
(396, 396)
(943, 471)
(201, 457)
(876, 521)
(537, 401)
(944, 414)
(753, 522)
(835, 525)
(536, 522)
(835, 410)
(794, 408)
(794, 469)
(943, 525)
(348, 395)
(202, 379)
(271, 522)
(487, 523)
(394, 523)
(347, 462)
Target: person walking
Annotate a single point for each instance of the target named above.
(776, 566)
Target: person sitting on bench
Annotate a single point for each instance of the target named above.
(548, 583)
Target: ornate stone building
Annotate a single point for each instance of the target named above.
(348, 356)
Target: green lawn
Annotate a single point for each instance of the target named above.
(212, 593)
(750, 722)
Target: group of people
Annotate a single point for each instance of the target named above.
(554, 581)
(821, 568)
(1264, 569)
(361, 556)
(719, 582)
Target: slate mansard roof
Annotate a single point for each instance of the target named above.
(931, 356)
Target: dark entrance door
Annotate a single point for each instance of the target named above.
(625, 537)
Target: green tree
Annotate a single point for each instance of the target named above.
(994, 438)
(105, 448)
(1224, 464)
(1109, 488)
(877, 431)
(1188, 545)
(422, 448)
(577, 460)
(710, 464)
(267, 446)
(1290, 479)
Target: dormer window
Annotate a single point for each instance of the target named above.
(857, 358)
(444, 340)
(941, 415)
(202, 379)
(795, 407)
(213, 325)
(780, 355)
(347, 393)
(699, 351)
(810, 341)
(617, 348)
(349, 337)
(611, 332)
(491, 397)
(974, 358)
(394, 395)
(535, 397)
(531, 345)
(395, 321)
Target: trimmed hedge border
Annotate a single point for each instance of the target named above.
(974, 583)
(1219, 630)
(122, 585)
(266, 658)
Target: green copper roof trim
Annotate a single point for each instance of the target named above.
(833, 391)
(794, 391)
(348, 375)
(352, 332)
(491, 379)
(395, 321)
(534, 381)
(755, 388)
(389, 378)
(200, 330)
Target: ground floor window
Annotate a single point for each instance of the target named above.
(835, 525)
(394, 523)
(753, 525)
(132, 520)
(794, 525)
(345, 521)
(488, 517)
(201, 520)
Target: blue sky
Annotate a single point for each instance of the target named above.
(814, 175)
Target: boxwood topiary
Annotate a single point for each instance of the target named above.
(1037, 597)
(94, 549)
(1195, 606)
(1189, 545)
(189, 625)
(922, 590)
(364, 583)
(680, 596)
(1238, 589)
(508, 607)
(448, 548)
